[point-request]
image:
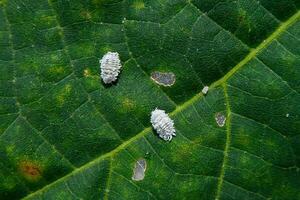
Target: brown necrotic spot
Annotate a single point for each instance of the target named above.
(163, 78)
(30, 170)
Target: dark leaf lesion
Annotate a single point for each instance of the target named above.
(30, 170)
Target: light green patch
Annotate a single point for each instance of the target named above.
(98, 3)
(138, 5)
(29, 67)
(56, 70)
(63, 94)
(270, 144)
(55, 57)
(184, 152)
(106, 49)
(87, 72)
(3, 2)
(44, 20)
(127, 105)
(242, 137)
(60, 32)
(86, 14)
(8, 183)
(208, 52)
(10, 149)
(82, 49)
(290, 60)
(244, 159)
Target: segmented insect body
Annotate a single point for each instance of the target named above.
(110, 65)
(163, 124)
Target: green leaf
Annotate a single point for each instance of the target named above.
(65, 135)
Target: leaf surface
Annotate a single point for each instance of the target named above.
(65, 135)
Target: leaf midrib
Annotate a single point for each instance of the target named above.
(283, 27)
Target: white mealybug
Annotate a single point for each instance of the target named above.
(110, 65)
(163, 124)
(205, 89)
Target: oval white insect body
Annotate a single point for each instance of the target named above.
(205, 90)
(163, 124)
(110, 65)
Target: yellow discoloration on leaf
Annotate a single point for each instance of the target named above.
(87, 72)
(3, 2)
(128, 104)
(28, 67)
(138, 5)
(242, 137)
(290, 59)
(55, 58)
(45, 19)
(184, 152)
(56, 70)
(10, 149)
(86, 14)
(92, 82)
(105, 49)
(63, 94)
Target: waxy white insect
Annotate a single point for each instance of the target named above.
(110, 65)
(205, 89)
(163, 124)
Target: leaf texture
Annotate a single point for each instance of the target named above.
(65, 135)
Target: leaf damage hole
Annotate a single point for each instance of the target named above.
(139, 170)
(220, 119)
(163, 78)
(30, 170)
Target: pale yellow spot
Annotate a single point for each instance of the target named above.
(289, 59)
(128, 104)
(10, 149)
(184, 152)
(87, 72)
(138, 5)
(47, 19)
(63, 94)
(86, 14)
(3, 2)
(105, 49)
(55, 58)
(56, 70)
